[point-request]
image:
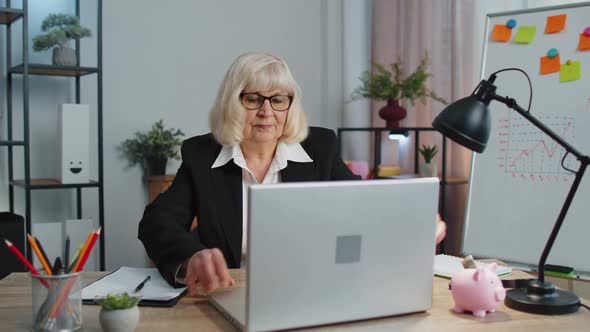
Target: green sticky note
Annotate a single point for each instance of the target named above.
(570, 71)
(525, 35)
(559, 274)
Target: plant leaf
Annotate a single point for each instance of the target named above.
(382, 84)
(158, 142)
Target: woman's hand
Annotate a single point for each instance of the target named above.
(441, 229)
(206, 271)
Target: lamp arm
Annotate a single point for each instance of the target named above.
(560, 218)
(584, 162)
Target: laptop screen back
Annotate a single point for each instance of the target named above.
(325, 252)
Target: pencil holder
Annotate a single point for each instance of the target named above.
(57, 302)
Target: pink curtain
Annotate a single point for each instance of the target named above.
(406, 30)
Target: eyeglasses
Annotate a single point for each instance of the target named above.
(253, 101)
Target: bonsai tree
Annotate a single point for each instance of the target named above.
(393, 85)
(428, 152)
(153, 147)
(59, 29)
(118, 302)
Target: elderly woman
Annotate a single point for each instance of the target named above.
(259, 134)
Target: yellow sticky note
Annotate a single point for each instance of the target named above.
(555, 23)
(584, 43)
(501, 33)
(570, 71)
(525, 35)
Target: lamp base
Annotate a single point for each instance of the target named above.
(542, 298)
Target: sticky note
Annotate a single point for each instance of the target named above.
(584, 43)
(570, 71)
(501, 33)
(550, 65)
(525, 35)
(555, 23)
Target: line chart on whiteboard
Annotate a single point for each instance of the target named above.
(527, 153)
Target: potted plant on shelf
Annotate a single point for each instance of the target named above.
(152, 149)
(119, 313)
(392, 86)
(428, 168)
(59, 29)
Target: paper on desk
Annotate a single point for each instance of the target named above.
(126, 279)
(447, 266)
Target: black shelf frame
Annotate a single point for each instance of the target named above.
(12, 143)
(377, 132)
(26, 69)
(9, 15)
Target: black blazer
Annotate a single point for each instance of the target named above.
(215, 197)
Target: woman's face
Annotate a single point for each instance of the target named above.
(264, 124)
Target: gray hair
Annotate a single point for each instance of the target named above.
(254, 71)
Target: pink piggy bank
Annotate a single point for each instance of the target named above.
(477, 290)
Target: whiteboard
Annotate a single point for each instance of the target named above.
(517, 185)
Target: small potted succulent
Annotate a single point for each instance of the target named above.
(152, 149)
(428, 168)
(393, 86)
(119, 313)
(58, 30)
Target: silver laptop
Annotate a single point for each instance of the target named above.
(328, 252)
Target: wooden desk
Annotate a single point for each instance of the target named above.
(195, 314)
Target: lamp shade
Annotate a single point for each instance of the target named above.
(467, 121)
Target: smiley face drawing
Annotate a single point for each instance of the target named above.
(75, 167)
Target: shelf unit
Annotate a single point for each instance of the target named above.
(376, 131)
(9, 16)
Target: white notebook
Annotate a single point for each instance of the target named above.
(446, 266)
(155, 292)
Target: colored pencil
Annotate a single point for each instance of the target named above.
(22, 258)
(74, 260)
(63, 295)
(88, 250)
(45, 265)
(57, 266)
(42, 250)
(81, 254)
(67, 254)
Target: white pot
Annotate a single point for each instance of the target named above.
(428, 170)
(64, 56)
(123, 320)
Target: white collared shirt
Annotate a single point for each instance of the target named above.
(285, 152)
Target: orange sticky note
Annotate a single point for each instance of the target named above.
(501, 33)
(555, 23)
(584, 43)
(550, 65)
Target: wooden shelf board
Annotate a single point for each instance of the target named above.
(50, 70)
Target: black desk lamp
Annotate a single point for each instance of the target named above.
(467, 122)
